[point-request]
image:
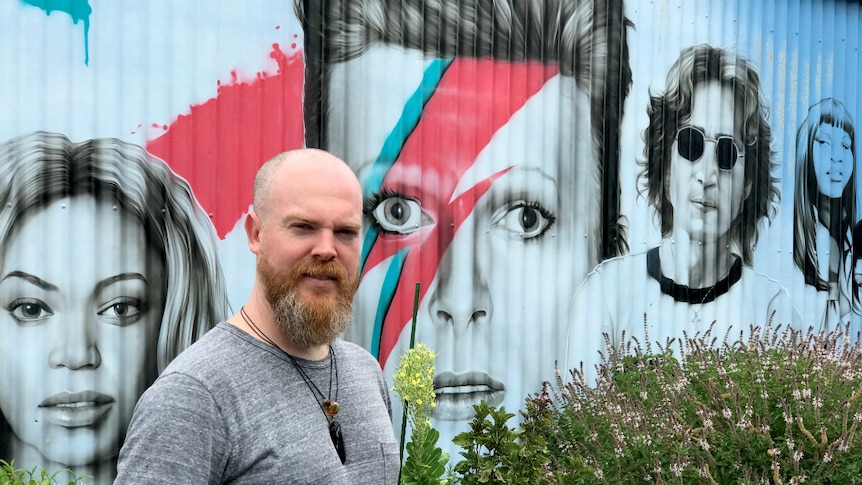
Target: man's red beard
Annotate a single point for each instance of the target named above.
(308, 323)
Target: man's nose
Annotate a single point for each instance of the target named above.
(324, 246)
(706, 169)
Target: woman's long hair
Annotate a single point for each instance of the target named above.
(42, 167)
(807, 199)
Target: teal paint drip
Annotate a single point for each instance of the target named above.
(77, 9)
(367, 244)
(406, 124)
(387, 293)
(397, 137)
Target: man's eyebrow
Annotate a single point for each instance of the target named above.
(32, 279)
(351, 226)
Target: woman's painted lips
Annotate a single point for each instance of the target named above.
(76, 409)
(457, 393)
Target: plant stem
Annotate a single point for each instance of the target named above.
(412, 344)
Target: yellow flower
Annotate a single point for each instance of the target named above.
(414, 381)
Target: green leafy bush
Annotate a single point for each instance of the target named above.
(9, 475)
(496, 454)
(780, 407)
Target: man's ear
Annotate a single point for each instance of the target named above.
(252, 231)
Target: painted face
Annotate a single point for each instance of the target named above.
(833, 159)
(84, 297)
(707, 182)
(489, 202)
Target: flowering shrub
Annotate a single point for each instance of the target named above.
(780, 407)
(414, 384)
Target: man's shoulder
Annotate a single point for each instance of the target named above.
(618, 263)
(218, 348)
(606, 275)
(353, 351)
(753, 279)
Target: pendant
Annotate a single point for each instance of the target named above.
(331, 407)
(337, 440)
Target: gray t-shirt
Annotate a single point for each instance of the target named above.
(231, 409)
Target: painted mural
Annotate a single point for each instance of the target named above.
(547, 171)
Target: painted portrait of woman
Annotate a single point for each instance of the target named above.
(824, 206)
(108, 271)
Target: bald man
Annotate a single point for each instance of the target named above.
(273, 395)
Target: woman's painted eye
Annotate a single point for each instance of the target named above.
(526, 220)
(121, 311)
(29, 310)
(395, 214)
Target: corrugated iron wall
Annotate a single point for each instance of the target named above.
(546, 170)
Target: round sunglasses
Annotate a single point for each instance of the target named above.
(690, 142)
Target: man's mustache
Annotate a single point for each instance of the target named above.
(323, 270)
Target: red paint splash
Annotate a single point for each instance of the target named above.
(219, 146)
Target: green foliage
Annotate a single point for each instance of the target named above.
(9, 475)
(496, 454)
(426, 462)
(776, 408)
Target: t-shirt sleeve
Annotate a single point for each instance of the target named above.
(176, 436)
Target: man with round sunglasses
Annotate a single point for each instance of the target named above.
(707, 174)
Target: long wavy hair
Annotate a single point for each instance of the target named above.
(857, 255)
(41, 167)
(698, 65)
(585, 38)
(807, 199)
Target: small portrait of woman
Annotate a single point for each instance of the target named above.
(707, 174)
(824, 205)
(108, 270)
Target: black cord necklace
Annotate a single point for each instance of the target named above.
(329, 406)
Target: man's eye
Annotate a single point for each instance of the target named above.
(525, 220)
(396, 214)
